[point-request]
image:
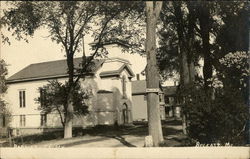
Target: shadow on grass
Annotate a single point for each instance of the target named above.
(138, 129)
(122, 140)
(82, 142)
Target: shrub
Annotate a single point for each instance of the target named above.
(219, 120)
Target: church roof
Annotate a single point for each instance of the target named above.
(56, 69)
(117, 71)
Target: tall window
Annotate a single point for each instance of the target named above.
(42, 97)
(43, 119)
(22, 120)
(22, 98)
(124, 86)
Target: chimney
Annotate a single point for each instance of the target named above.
(138, 77)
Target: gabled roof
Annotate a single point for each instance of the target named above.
(139, 87)
(47, 70)
(57, 69)
(117, 72)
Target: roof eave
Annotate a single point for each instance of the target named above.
(11, 81)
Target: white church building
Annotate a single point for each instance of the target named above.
(109, 83)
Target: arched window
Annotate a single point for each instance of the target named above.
(125, 113)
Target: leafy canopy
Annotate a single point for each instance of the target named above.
(54, 98)
(3, 87)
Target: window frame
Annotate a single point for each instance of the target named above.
(22, 120)
(22, 98)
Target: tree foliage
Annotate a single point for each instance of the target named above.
(3, 74)
(235, 67)
(215, 32)
(54, 99)
(225, 33)
(3, 88)
(221, 120)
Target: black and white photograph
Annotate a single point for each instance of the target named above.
(124, 79)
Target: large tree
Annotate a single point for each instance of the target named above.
(177, 44)
(201, 29)
(68, 22)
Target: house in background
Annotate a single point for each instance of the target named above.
(109, 83)
(139, 100)
(173, 105)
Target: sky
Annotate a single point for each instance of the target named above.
(40, 48)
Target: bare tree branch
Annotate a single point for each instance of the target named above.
(89, 60)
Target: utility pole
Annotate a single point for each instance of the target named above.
(152, 75)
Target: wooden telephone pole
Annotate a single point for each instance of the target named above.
(154, 123)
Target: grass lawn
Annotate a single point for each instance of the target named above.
(129, 136)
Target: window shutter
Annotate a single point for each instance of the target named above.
(20, 98)
(24, 120)
(21, 120)
(24, 104)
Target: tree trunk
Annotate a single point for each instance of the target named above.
(185, 68)
(186, 81)
(152, 75)
(68, 122)
(191, 70)
(205, 27)
(185, 54)
(70, 109)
